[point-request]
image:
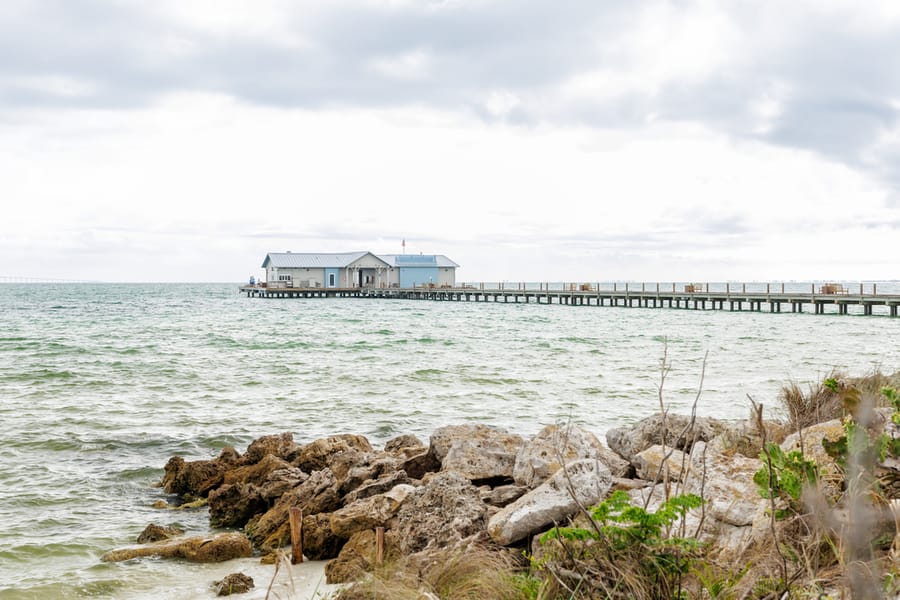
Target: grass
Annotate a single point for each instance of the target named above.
(459, 573)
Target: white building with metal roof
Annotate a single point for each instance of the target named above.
(357, 269)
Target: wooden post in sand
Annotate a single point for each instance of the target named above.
(296, 517)
(379, 546)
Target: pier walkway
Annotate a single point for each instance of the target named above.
(821, 299)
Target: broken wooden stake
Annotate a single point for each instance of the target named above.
(296, 516)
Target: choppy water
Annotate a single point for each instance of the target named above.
(101, 384)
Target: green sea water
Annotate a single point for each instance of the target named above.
(101, 384)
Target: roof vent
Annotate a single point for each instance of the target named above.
(288, 251)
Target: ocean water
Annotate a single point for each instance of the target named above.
(101, 384)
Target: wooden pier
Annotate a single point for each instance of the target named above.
(826, 299)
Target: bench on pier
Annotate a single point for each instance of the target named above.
(833, 288)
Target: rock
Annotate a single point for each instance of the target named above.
(218, 548)
(723, 540)
(235, 583)
(366, 467)
(155, 533)
(256, 473)
(369, 513)
(540, 457)
(445, 509)
(726, 482)
(195, 479)
(647, 463)
(318, 494)
(280, 446)
(281, 481)
(552, 501)
(629, 440)
(813, 448)
(373, 487)
(232, 505)
(418, 465)
(502, 495)
(478, 452)
(355, 559)
(404, 446)
(319, 542)
(322, 452)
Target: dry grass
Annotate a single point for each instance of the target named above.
(463, 573)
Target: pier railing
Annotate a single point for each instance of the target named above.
(821, 297)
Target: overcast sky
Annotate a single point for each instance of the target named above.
(180, 140)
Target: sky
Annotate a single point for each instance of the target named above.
(183, 140)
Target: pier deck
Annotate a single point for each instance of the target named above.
(867, 302)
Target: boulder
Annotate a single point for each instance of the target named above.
(322, 452)
(232, 505)
(366, 467)
(195, 479)
(502, 495)
(369, 513)
(648, 463)
(419, 464)
(404, 446)
(373, 487)
(280, 446)
(356, 558)
(542, 456)
(155, 533)
(629, 440)
(445, 509)
(319, 542)
(318, 494)
(218, 548)
(235, 583)
(583, 481)
(281, 481)
(477, 452)
(256, 473)
(726, 482)
(812, 445)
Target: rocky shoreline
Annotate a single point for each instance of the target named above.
(471, 484)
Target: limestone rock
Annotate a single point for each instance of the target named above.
(540, 457)
(156, 533)
(218, 548)
(478, 452)
(369, 513)
(232, 505)
(319, 542)
(404, 446)
(812, 445)
(629, 440)
(726, 482)
(195, 479)
(419, 464)
(366, 467)
(502, 495)
(445, 509)
(587, 480)
(647, 463)
(281, 481)
(318, 494)
(373, 487)
(355, 559)
(256, 473)
(235, 583)
(322, 452)
(280, 446)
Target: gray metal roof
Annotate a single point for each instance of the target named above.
(318, 260)
(409, 260)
